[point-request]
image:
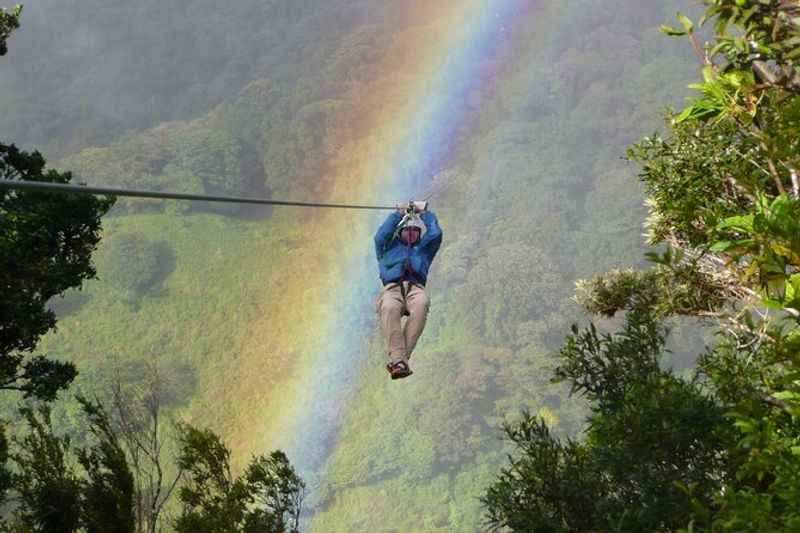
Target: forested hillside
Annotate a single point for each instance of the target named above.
(82, 75)
(270, 98)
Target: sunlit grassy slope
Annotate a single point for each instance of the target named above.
(192, 318)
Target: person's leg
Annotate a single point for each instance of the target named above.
(418, 304)
(390, 309)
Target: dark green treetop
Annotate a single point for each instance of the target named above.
(108, 489)
(9, 21)
(266, 498)
(52, 495)
(46, 242)
(47, 489)
(650, 433)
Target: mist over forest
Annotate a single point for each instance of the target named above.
(231, 306)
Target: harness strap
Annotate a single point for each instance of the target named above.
(403, 292)
(391, 285)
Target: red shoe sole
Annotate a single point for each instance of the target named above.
(398, 373)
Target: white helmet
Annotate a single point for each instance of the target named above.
(414, 221)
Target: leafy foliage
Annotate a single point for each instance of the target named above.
(46, 245)
(109, 490)
(51, 495)
(750, 98)
(6, 478)
(48, 488)
(675, 286)
(277, 494)
(266, 498)
(723, 192)
(648, 438)
(51, 492)
(46, 242)
(9, 21)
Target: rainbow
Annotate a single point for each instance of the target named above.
(292, 382)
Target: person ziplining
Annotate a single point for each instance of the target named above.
(405, 246)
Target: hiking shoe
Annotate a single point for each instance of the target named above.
(399, 370)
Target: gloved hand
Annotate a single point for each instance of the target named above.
(416, 206)
(420, 206)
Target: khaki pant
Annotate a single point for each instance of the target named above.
(402, 336)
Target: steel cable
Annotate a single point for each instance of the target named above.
(64, 188)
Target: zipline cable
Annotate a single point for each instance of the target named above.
(109, 191)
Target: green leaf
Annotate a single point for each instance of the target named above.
(665, 259)
(722, 246)
(719, 47)
(686, 22)
(740, 222)
(670, 30)
(793, 293)
(747, 14)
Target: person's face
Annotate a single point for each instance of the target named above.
(410, 235)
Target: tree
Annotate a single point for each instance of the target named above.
(733, 160)
(46, 242)
(118, 482)
(48, 489)
(276, 495)
(108, 492)
(650, 435)
(6, 479)
(52, 495)
(266, 498)
(719, 450)
(9, 21)
(138, 416)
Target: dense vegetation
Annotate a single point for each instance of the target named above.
(715, 449)
(256, 98)
(46, 245)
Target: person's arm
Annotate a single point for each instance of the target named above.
(385, 233)
(433, 237)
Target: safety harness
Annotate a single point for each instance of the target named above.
(408, 274)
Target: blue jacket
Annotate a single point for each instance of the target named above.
(393, 253)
